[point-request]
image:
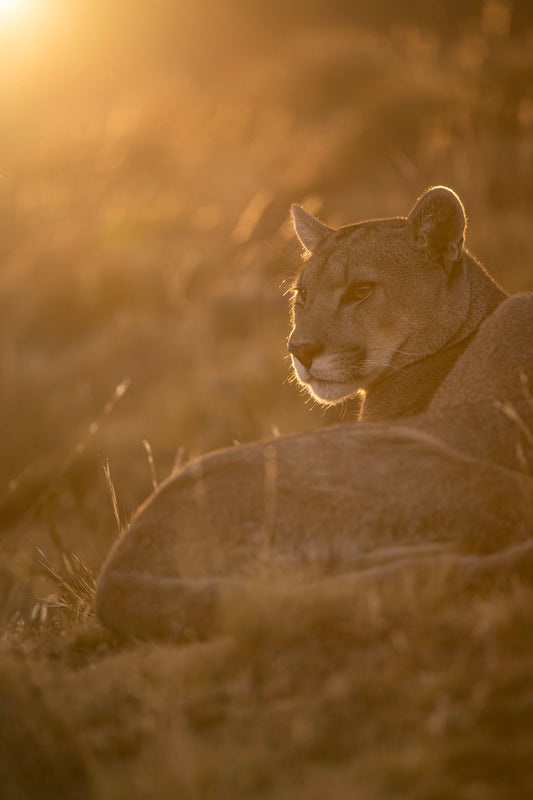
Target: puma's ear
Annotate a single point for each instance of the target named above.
(309, 230)
(438, 223)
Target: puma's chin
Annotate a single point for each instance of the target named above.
(330, 392)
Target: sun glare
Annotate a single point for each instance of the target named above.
(12, 8)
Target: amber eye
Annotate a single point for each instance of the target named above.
(300, 294)
(356, 293)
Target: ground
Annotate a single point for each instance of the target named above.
(147, 171)
(412, 687)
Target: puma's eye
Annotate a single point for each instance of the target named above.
(300, 294)
(356, 293)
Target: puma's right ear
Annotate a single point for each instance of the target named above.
(438, 222)
(309, 230)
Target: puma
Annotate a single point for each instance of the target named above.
(439, 467)
(386, 307)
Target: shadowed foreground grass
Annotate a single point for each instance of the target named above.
(417, 686)
(144, 247)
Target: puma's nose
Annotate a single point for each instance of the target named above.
(305, 353)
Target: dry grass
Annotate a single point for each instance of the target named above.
(144, 247)
(413, 687)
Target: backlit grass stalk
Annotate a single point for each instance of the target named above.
(113, 497)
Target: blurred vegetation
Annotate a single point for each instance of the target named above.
(414, 687)
(149, 156)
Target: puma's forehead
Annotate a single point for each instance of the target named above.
(359, 230)
(356, 251)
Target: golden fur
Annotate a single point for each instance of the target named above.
(384, 298)
(453, 482)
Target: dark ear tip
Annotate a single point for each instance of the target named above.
(443, 191)
(439, 200)
(446, 196)
(440, 195)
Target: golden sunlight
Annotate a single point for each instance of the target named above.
(12, 8)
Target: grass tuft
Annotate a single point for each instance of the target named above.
(75, 583)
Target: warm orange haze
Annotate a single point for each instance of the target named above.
(11, 8)
(149, 156)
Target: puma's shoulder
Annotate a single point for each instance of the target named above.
(498, 361)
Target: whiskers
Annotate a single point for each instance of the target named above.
(401, 352)
(374, 361)
(353, 368)
(292, 376)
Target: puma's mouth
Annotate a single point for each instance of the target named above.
(302, 373)
(332, 391)
(324, 384)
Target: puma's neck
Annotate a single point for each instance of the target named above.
(409, 390)
(484, 297)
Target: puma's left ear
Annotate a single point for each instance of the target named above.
(309, 230)
(438, 223)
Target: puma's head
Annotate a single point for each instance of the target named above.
(377, 295)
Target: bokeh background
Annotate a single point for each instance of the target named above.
(149, 153)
